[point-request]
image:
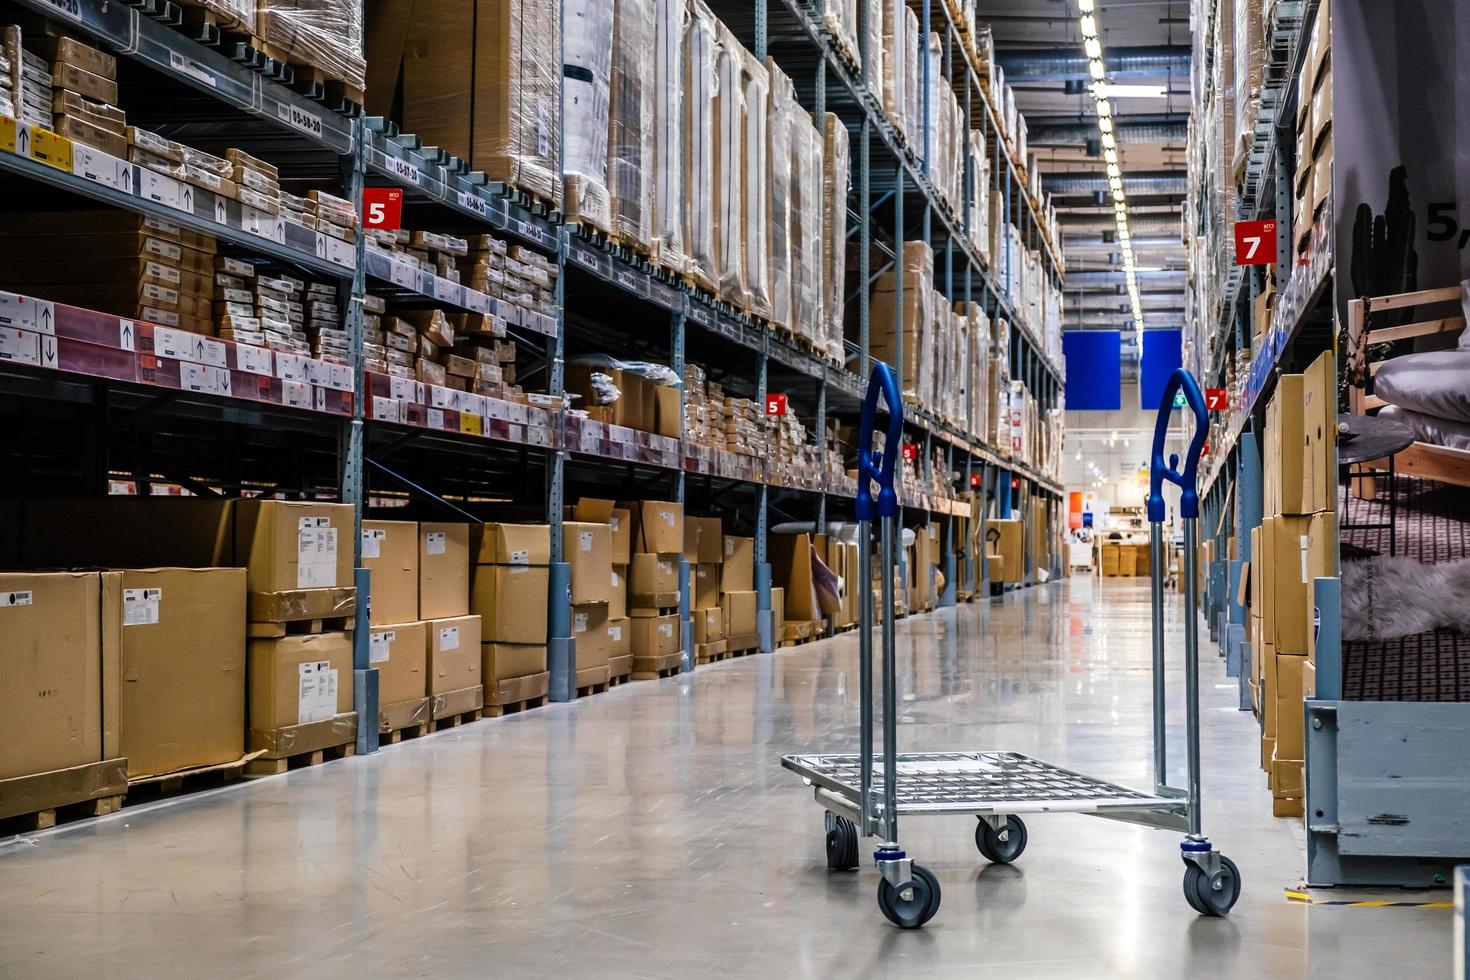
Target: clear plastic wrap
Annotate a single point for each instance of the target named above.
(913, 101)
(780, 110)
(875, 45)
(836, 169)
(728, 187)
(230, 15)
(320, 36)
(631, 129)
(755, 87)
(517, 95)
(806, 227)
(884, 326)
(895, 75)
(841, 18)
(980, 195)
(671, 20)
(699, 202)
(585, 96)
(1250, 62)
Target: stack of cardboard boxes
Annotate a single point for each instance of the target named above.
(657, 540)
(704, 544)
(737, 595)
(1295, 544)
(510, 584)
(599, 543)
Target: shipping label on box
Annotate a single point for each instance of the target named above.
(316, 553)
(317, 697)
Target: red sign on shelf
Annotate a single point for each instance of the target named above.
(910, 451)
(974, 479)
(1255, 242)
(382, 208)
(775, 404)
(1216, 399)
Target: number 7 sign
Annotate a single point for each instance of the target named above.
(1255, 242)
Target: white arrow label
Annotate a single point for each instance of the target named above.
(125, 335)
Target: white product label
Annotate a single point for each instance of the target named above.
(434, 542)
(667, 629)
(1306, 545)
(15, 599)
(472, 202)
(579, 623)
(380, 646)
(307, 122)
(666, 568)
(614, 522)
(584, 541)
(667, 516)
(449, 638)
(520, 557)
(448, 292)
(615, 578)
(316, 553)
(71, 9)
(403, 170)
(436, 418)
(296, 394)
(196, 71)
(615, 633)
(21, 346)
(254, 360)
(140, 606)
(155, 187)
(372, 543)
(729, 547)
(316, 698)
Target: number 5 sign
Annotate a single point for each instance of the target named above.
(1255, 242)
(382, 208)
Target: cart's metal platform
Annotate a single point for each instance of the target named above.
(986, 783)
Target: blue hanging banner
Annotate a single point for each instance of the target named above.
(1094, 370)
(1162, 354)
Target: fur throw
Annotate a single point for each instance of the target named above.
(1390, 598)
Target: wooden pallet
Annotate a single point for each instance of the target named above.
(274, 767)
(711, 653)
(43, 800)
(592, 680)
(45, 819)
(457, 719)
(512, 694)
(301, 627)
(654, 668)
(404, 734)
(189, 781)
(619, 670)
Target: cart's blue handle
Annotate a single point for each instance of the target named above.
(1157, 471)
(881, 470)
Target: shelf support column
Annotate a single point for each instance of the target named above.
(561, 647)
(864, 240)
(686, 600)
(764, 619)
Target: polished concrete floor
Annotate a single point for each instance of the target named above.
(650, 832)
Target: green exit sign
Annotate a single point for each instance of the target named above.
(1179, 399)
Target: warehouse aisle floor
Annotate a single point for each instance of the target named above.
(650, 832)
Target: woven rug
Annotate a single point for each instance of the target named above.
(1433, 526)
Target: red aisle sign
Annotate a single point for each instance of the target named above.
(910, 451)
(1255, 242)
(382, 208)
(1216, 399)
(974, 479)
(775, 404)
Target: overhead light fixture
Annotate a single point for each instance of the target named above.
(1089, 30)
(1096, 68)
(1085, 6)
(1093, 47)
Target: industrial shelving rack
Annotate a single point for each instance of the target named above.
(111, 400)
(1365, 759)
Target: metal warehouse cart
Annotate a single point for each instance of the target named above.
(999, 787)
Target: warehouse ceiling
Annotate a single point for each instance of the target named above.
(1144, 43)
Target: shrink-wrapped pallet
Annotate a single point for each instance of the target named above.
(874, 66)
(631, 126)
(841, 18)
(754, 164)
(700, 203)
(728, 186)
(836, 165)
(586, 91)
(896, 63)
(324, 36)
(806, 227)
(913, 118)
(1250, 62)
(980, 195)
(780, 109)
(891, 323)
(668, 129)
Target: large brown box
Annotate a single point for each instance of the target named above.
(286, 544)
(1294, 551)
(706, 582)
(1009, 548)
(444, 570)
(738, 573)
(588, 550)
(59, 701)
(619, 637)
(652, 579)
(400, 653)
(1300, 472)
(298, 680)
(739, 610)
(453, 654)
(655, 636)
(791, 565)
(501, 660)
(512, 544)
(510, 583)
(709, 540)
(590, 630)
(181, 641)
(709, 625)
(390, 552)
(618, 519)
(658, 526)
(617, 598)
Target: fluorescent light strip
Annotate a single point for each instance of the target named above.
(1092, 45)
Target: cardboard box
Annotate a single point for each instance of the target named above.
(61, 709)
(738, 573)
(658, 526)
(667, 411)
(619, 521)
(791, 566)
(1286, 694)
(617, 597)
(287, 544)
(1009, 547)
(297, 680)
(511, 544)
(709, 625)
(390, 550)
(709, 539)
(619, 637)
(452, 657)
(501, 660)
(400, 652)
(512, 602)
(588, 550)
(706, 586)
(739, 613)
(655, 636)
(1295, 551)
(778, 609)
(180, 633)
(589, 629)
(444, 570)
(652, 579)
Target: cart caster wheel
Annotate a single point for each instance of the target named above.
(998, 851)
(1207, 900)
(921, 905)
(842, 845)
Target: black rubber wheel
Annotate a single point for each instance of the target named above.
(998, 851)
(1207, 900)
(842, 845)
(921, 906)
